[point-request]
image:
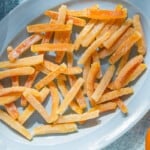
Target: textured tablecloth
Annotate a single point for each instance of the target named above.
(134, 138)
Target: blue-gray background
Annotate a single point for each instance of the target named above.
(6, 6)
(134, 138)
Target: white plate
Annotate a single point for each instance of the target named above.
(93, 135)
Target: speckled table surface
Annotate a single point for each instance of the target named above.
(134, 138)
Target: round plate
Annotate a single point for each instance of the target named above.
(93, 135)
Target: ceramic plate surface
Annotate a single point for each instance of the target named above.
(93, 135)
